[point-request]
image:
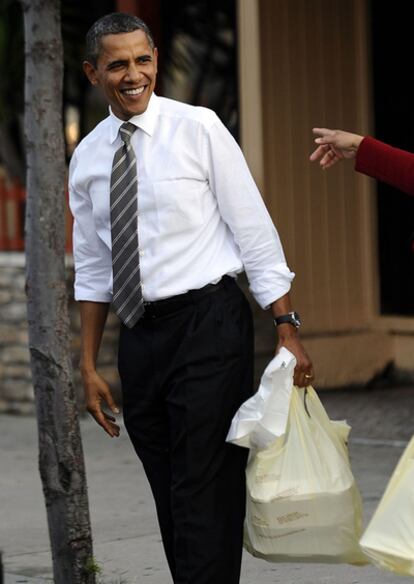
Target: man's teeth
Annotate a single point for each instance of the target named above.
(137, 91)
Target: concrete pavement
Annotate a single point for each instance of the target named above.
(126, 541)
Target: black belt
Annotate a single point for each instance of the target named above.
(167, 305)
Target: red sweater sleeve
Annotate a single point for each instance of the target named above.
(387, 164)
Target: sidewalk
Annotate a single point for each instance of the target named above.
(126, 541)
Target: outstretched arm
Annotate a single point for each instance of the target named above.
(334, 145)
(372, 157)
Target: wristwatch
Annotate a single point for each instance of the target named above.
(292, 318)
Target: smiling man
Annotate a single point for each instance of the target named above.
(125, 66)
(166, 216)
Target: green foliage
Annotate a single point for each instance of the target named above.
(92, 566)
(76, 16)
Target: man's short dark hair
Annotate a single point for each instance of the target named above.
(114, 23)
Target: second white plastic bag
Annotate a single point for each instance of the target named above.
(389, 538)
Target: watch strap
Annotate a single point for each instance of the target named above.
(292, 318)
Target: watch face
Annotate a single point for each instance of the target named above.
(296, 319)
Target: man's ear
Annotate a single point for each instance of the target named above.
(90, 72)
(156, 59)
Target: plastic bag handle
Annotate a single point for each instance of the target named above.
(304, 402)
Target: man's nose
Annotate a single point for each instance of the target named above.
(134, 72)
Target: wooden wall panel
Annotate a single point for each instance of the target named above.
(311, 52)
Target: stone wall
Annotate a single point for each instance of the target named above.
(15, 376)
(16, 391)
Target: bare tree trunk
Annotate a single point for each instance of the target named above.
(61, 458)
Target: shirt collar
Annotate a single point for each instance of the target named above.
(145, 121)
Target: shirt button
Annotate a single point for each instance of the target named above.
(141, 252)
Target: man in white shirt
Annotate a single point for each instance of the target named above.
(169, 181)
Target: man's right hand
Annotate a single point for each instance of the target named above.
(93, 318)
(97, 391)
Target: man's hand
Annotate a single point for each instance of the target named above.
(289, 338)
(96, 391)
(334, 145)
(93, 318)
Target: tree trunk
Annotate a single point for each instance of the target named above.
(60, 449)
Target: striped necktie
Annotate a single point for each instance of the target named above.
(127, 294)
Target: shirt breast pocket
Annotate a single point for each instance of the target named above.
(180, 204)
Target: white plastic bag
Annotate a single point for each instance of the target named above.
(263, 417)
(302, 503)
(389, 537)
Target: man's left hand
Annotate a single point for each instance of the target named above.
(289, 338)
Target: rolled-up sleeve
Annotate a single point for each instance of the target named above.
(242, 208)
(92, 257)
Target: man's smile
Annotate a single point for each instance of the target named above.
(134, 91)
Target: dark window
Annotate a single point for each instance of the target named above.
(198, 55)
(394, 124)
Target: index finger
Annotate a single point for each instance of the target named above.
(322, 131)
(100, 419)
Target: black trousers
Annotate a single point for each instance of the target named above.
(185, 368)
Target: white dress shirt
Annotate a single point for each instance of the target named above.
(200, 214)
